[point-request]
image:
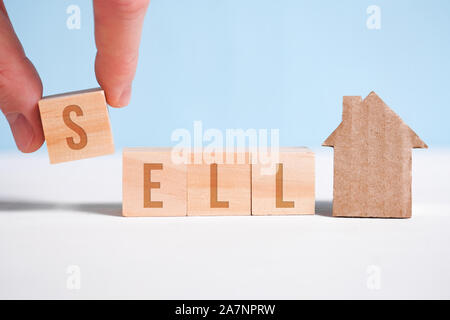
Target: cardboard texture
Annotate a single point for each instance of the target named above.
(290, 189)
(152, 184)
(76, 125)
(372, 160)
(220, 189)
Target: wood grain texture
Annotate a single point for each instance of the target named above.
(76, 125)
(152, 184)
(288, 190)
(220, 189)
(372, 160)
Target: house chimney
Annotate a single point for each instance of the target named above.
(349, 105)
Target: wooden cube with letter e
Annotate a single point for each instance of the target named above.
(154, 183)
(76, 125)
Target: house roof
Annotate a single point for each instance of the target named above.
(374, 111)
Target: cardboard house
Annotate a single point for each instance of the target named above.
(372, 160)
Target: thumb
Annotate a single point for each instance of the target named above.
(20, 89)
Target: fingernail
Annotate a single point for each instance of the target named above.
(21, 130)
(125, 96)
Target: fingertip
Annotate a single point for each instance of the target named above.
(118, 98)
(37, 143)
(28, 137)
(118, 28)
(115, 75)
(38, 138)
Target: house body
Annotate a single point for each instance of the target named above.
(372, 160)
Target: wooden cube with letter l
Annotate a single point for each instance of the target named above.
(285, 187)
(76, 125)
(154, 183)
(220, 186)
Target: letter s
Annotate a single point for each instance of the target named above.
(76, 128)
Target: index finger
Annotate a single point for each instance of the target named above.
(118, 27)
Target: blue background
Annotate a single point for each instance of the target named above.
(255, 64)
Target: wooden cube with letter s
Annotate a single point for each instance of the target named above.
(76, 125)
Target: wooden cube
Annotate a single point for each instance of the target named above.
(289, 188)
(76, 125)
(153, 184)
(220, 188)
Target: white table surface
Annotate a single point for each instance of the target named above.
(56, 216)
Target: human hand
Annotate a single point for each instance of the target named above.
(118, 26)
